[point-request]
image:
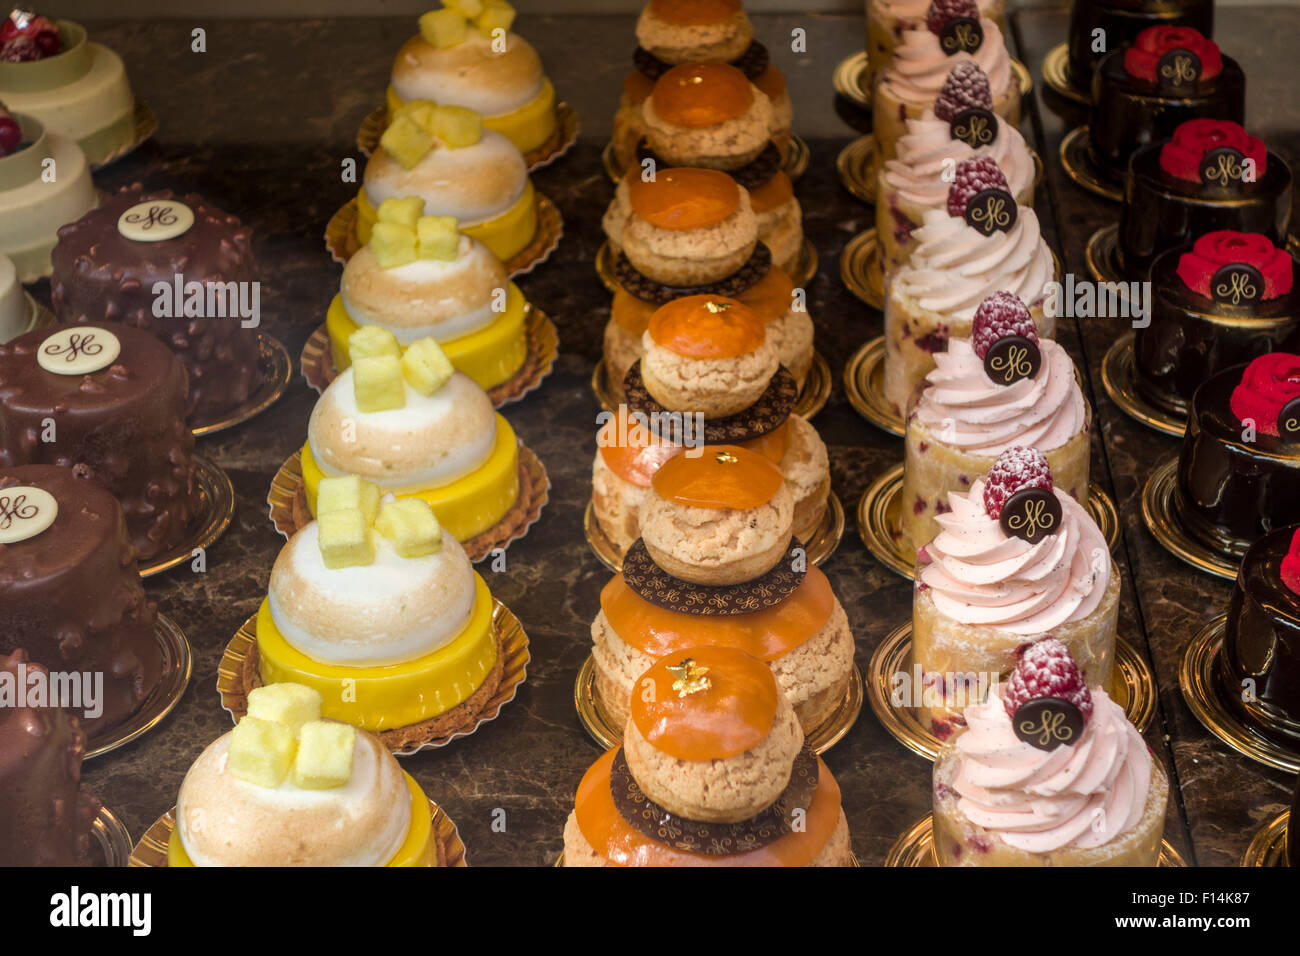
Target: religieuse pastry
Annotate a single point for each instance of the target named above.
(287, 787)
(1120, 22)
(420, 277)
(711, 772)
(407, 421)
(467, 55)
(710, 356)
(376, 607)
(888, 21)
(1211, 175)
(32, 208)
(961, 125)
(70, 588)
(1015, 560)
(1048, 772)
(1239, 469)
(1142, 93)
(1000, 388)
(111, 402)
(74, 88)
(981, 243)
(954, 31)
(1259, 642)
(788, 618)
(139, 260)
(46, 811)
(1202, 321)
(444, 156)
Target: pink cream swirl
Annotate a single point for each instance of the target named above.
(1082, 795)
(971, 412)
(977, 575)
(916, 174)
(955, 266)
(920, 65)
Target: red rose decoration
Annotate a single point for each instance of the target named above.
(1268, 383)
(1141, 58)
(1291, 565)
(1215, 250)
(1181, 156)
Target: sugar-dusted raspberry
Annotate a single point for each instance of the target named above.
(1016, 468)
(973, 175)
(999, 315)
(941, 11)
(1047, 669)
(966, 87)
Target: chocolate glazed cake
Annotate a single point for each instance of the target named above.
(1122, 21)
(1193, 336)
(1260, 665)
(102, 275)
(125, 423)
(45, 811)
(71, 593)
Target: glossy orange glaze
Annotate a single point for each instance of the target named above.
(641, 452)
(770, 296)
(694, 13)
(637, 86)
(684, 198)
(631, 313)
(774, 193)
(773, 445)
(699, 95)
(724, 476)
(732, 714)
(614, 839)
(707, 327)
(772, 82)
(766, 634)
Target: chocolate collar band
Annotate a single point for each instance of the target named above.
(753, 62)
(656, 293)
(765, 415)
(757, 172)
(652, 583)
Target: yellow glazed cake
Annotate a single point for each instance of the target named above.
(405, 420)
(422, 278)
(459, 59)
(288, 788)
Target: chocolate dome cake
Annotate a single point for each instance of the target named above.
(1121, 21)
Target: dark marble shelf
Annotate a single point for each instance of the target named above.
(260, 127)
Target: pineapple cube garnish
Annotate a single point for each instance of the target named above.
(466, 8)
(443, 28)
(457, 127)
(438, 237)
(371, 340)
(496, 13)
(377, 383)
(324, 759)
(426, 366)
(406, 140)
(345, 539)
(289, 704)
(348, 492)
(412, 527)
(393, 244)
(403, 210)
(261, 751)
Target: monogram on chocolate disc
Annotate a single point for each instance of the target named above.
(1012, 358)
(765, 415)
(991, 210)
(714, 839)
(1048, 722)
(1031, 514)
(1288, 421)
(656, 293)
(753, 174)
(25, 512)
(1237, 283)
(78, 350)
(961, 35)
(1223, 166)
(974, 126)
(1178, 71)
(652, 583)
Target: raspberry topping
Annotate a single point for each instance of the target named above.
(941, 11)
(999, 315)
(1016, 468)
(1046, 669)
(972, 176)
(965, 88)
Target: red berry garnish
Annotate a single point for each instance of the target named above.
(1047, 669)
(10, 134)
(1016, 468)
(965, 88)
(21, 49)
(941, 11)
(999, 315)
(972, 176)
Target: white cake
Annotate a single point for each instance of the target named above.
(13, 303)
